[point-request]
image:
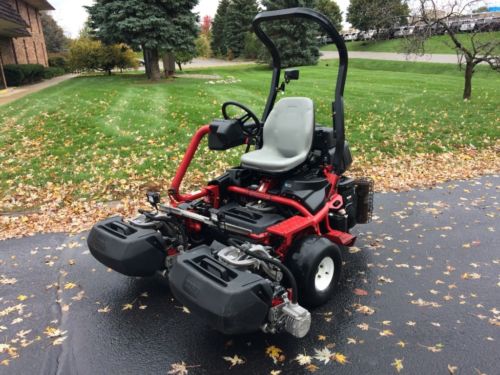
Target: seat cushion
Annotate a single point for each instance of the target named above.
(287, 137)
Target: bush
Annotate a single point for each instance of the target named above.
(14, 75)
(23, 74)
(92, 55)
(52, 72)
(59, 62)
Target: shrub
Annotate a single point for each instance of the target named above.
(52, 72)
(23, 74)
(59, 62)
(14, 75)
(32, 73)
(92, 55)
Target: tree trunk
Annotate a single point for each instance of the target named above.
(152, 64)
(146, 61)
(469, 71)
(169, 64)
(155, 65)
(180, 66)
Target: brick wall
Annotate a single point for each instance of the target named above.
(7, 51)
(30, 50)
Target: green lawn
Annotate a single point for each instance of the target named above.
(436, 44)
(101, 131)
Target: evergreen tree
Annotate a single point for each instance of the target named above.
(377, 14)
(153, 25)
(296, 39)
(330, 9)
(218, 42)
(55, 39)
(239, 17)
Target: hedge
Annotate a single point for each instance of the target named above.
(52, 72)
(59, 61)
(24, 74)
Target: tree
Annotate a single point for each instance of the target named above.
(154, 26)
(239, 17)
(296, 39)
(218, 43)
(203, 46)
(470, 48)
(206, 26)
(55, 40)
(377, 14)
(481, 9)
(183, 57)
(330, 9)
(203, 41)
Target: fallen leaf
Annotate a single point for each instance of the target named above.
(360, 292)
(471, 276)
(324, 355)
(340, 358)
(303, 359)
(312, 368)
(386, 332)
(70, 285)
(363, 326)
(398, 364)
(178, 369)
(104, 310)
(367, 310)
(234, 360)
(452, 369)
(274, 353)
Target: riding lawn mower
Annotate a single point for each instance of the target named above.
(260, 245)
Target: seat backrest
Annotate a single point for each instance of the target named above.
(289, 129)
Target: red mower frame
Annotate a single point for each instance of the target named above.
(287, 230)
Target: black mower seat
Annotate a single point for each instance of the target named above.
(287, 137)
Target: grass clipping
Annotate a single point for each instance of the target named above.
(57, 211)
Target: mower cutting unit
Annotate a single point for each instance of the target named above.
(243, 252)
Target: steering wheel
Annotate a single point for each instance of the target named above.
(251, 130)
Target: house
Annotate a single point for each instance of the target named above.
(21, 34)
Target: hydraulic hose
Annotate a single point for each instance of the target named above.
(281, 266)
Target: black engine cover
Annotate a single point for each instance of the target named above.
(124, 248)
(230, 300)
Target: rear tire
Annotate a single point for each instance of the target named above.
(316, 263)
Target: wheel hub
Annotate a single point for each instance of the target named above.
(324, 274)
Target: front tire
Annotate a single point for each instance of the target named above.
(316, 263)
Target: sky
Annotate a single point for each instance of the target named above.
(71, 15)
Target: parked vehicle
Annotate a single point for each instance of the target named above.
(467, 27)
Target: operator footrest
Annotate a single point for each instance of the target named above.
(341, 238)
(289, 227)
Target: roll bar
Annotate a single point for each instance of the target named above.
(338, 103)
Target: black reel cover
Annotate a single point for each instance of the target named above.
(229, 300)
(127, 249)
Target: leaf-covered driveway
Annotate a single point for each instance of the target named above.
(420, 294)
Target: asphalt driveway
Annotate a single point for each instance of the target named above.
(420, 294)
